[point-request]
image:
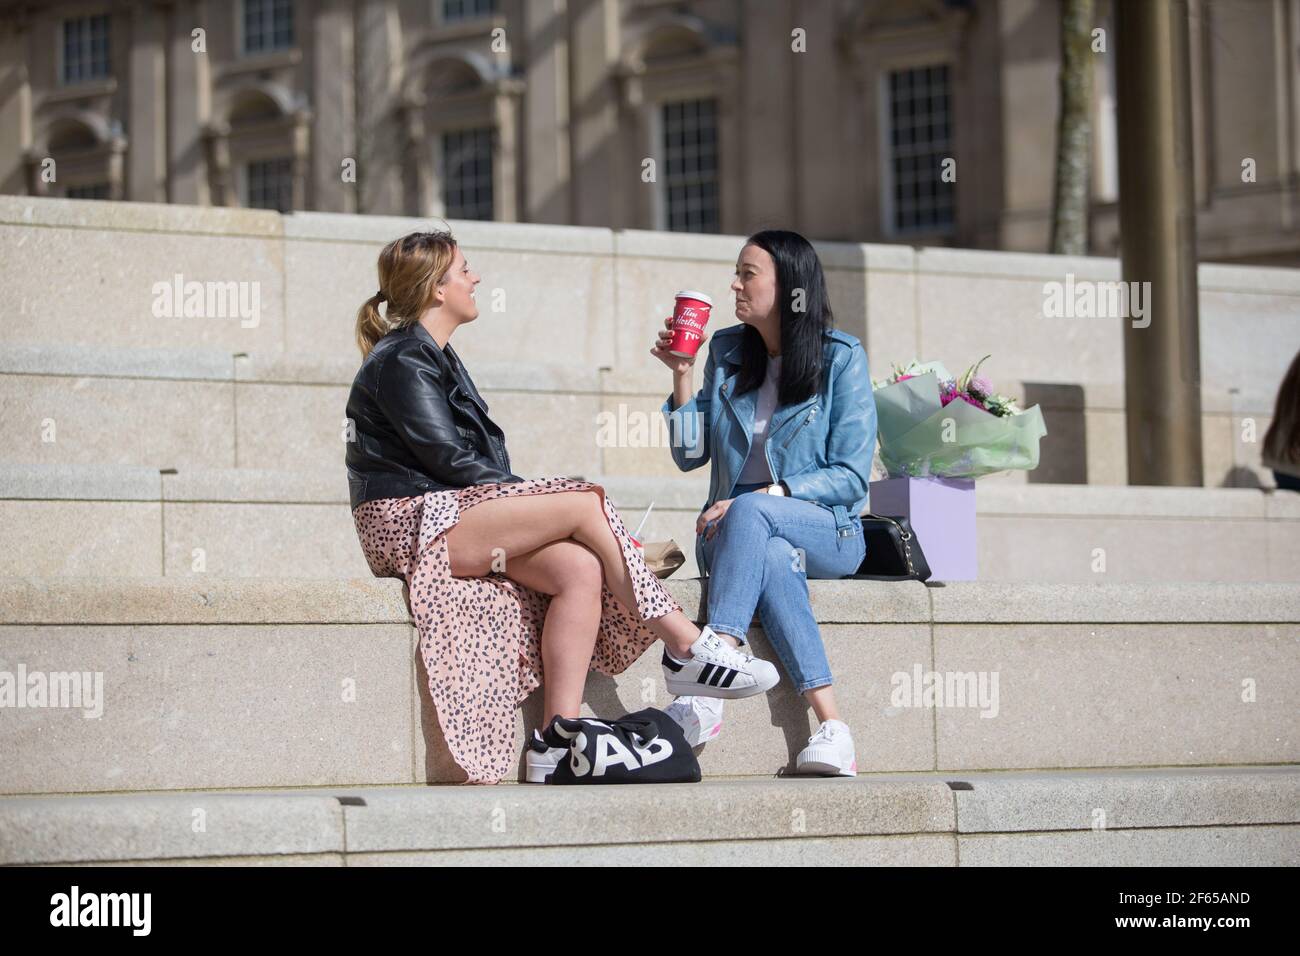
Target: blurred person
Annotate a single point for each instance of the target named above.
(1281, 450)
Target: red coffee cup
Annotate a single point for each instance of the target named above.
(691, 312)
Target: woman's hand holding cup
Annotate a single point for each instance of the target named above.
(679, 364)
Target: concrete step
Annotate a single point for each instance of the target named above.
(204, 408)
(1243, 816)
(243, 522)
(208, 408)
(230, 683)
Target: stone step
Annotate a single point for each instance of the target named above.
(557, 293)
(208, 408)
(203, 408)
(127, 520)
(1240, 816)
(229, 683)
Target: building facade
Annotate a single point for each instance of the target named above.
(921, 121)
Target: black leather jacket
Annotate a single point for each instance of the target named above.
(419, 423)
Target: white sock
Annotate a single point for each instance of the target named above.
(724, 638)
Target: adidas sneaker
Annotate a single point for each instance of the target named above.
(717, 669)
(543, 755)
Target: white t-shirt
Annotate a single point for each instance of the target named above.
(756, 469)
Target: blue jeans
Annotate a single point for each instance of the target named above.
(765, 549)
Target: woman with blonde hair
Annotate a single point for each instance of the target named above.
(513, 582)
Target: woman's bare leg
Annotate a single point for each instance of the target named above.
(572, 575)
(823, 703)
(490, 534)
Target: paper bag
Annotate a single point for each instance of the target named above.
(663, 557)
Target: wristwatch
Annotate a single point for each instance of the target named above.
(778, 488)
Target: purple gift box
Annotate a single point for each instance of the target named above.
(942, 513)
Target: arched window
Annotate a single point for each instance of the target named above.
(908, 62)
(257, 156)
(82, 158)
(678, 83)
(461, 110)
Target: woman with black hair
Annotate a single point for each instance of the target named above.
(787, 419)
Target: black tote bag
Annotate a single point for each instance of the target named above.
(645, 747)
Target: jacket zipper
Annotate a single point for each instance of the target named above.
(806, 419)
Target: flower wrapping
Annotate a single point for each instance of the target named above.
(925, 433)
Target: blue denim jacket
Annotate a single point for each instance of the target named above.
(821, 448)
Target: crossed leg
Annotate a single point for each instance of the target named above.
(572, 575)
(517, 536)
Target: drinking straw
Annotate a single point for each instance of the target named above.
(637, 533)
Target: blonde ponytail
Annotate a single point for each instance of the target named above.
(410, 270)
(371, 325)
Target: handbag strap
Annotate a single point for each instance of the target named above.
(903, 533)
(643, 729)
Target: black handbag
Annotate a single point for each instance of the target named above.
(893, 551)
(645, 747)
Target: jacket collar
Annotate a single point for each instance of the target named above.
(732, 354)
(458, 370)
(421, 332)
(744, 407)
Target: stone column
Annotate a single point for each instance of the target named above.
(146, 174)
(333, 84)
(379, 146)
(505, 158)
(633, 206)
(189, 86)
(417, 163)
(819, 132)
(594, 124)
(547, 186)
(1030, 101)
(15, 108)
(302, 154)
(767, 106)
(731, 202)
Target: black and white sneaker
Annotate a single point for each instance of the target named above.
(543, 753)
(718, 670)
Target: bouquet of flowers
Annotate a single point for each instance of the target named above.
(932, 425)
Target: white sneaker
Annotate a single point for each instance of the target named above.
(829, 752)
(699, 717)
(718, 670)
(541, 759)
